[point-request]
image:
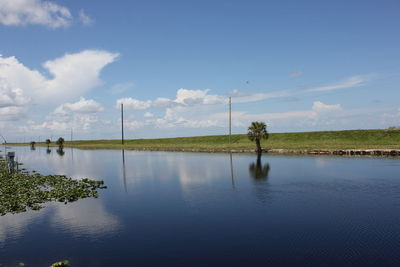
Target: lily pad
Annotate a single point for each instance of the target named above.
(22, 190)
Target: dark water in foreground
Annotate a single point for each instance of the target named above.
(198, 209)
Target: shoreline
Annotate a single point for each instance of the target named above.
(336, 152)
(345, 152)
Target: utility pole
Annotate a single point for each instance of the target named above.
(230, 119)
(72, 134)
(122, 122)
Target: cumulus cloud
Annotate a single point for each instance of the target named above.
(321, 107)
(148, 115)
(258, 97)
(11, 96)
(82, 115)
(184, 97)
(133, 104)
(186, 109)
(23, 12)
(319, 112)
(197, 97)
(192, 98)
(11, 113)
(162, 102)
(237, 93)
(82, 106)
(354, 81)
(63, 122)
(134, 124)
(73, 75)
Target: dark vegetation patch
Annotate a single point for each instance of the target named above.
(22, 190)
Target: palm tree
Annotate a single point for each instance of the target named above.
(60, 143)
(48, 143)
(257, 131)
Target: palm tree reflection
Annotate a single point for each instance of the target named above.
(60, 151)
(258, 171)
(48, 150)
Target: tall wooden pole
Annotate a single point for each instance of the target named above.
(122, 122)
(230, 119)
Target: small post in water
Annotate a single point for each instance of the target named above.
(11, 161)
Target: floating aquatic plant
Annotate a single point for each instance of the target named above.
(22, 190)
(64, 263)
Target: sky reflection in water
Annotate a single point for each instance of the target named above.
(165, 208)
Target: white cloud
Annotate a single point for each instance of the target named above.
(82, 106)
(24, 12)
(81, 115)
(354, 81)
(11, 113)
(76, 74)
(319, 113)
(148, 115)
(243, 118)
(190, 108)
(182, 122)
(73, 76)
(257, 97)
(162, 102)
(54, 126)
(321, 107)
(132, 104)
(192, 98)
(85, 19)
(237, 93)
(197, 97)
(11, 96)
(62, 123)
(133, 125)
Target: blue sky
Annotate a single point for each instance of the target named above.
(297, 65)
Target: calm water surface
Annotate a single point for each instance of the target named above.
(198, 209)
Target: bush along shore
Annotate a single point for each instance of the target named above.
(21, 191)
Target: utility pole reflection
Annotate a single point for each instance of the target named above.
(124, 170)
(233, 180)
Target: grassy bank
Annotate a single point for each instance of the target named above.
(327, 140)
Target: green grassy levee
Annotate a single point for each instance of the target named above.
(325, 140)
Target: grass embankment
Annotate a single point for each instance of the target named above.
(327, 140)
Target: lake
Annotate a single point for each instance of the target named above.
(200, 209)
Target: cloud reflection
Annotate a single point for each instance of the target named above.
(85, 218)
(13, 226)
